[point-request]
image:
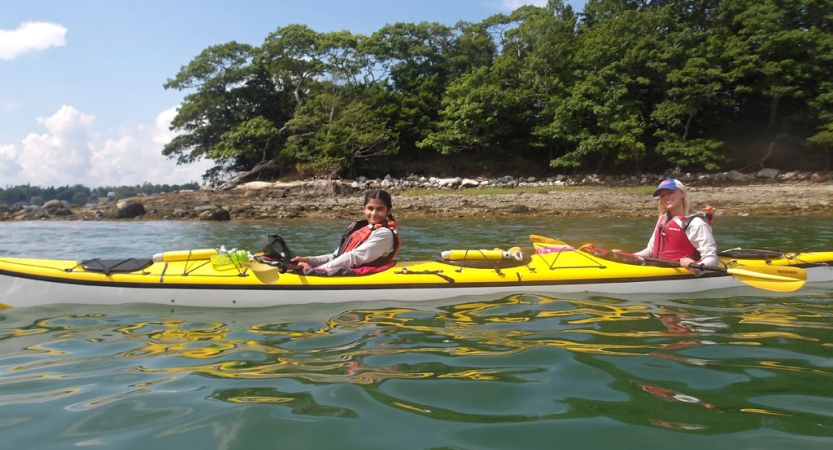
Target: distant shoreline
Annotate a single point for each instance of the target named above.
(770, 199)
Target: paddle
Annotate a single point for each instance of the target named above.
(770, 278)
(543, 242)
(264, 272)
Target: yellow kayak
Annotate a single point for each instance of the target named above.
(189, 278)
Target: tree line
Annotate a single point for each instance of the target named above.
(80, 195)
(624, 86)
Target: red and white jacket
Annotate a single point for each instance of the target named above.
(372, 248)
(680, 237)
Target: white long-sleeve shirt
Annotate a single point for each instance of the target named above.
(700, 235)
(377, 245)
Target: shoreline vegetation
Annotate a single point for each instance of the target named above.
(618, 87)
(766, 193)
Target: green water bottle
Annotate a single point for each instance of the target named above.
(230, 260)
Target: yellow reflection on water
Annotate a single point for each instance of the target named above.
(762, 411)
(793, 317)
(366, 346)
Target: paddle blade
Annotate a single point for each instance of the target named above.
(544, 242)
(264, 272)
(771, 278)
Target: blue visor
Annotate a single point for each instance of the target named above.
(670, 184)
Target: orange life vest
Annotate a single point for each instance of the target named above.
(360, 231)
(670, 239)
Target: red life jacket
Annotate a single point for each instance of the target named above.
(671, 241)
(360, 231)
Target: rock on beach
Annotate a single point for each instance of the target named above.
(765, 193)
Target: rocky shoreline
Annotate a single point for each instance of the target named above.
(730, 194)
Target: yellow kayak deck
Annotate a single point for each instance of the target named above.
(537, 269)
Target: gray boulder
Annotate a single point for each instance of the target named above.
(129, 209)
(767, 173)
(217, 214)
(56, 208)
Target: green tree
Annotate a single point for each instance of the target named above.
(477, 115)
(333, 126)
(627, 85)
(335, 129)
(79, 199)
(689, 85)
(601, 117)
(823, 138)
(216, 74)
(474, 46)
(542, 49)
(777, 54)
(234, 93)
(414, 59)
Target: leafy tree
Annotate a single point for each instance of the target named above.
(690, 83)
(233, 88)
(333, 126)
(217, 74)
(626, 85)
(79, 199)
(601, 117)
(295, 56)
(771, 50)
(474, 46)
(823, 108)
(777, 52)
(336, 128)
(415, 62)
(476, 115)
(541, 49)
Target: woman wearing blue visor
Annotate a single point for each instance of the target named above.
(680, 235)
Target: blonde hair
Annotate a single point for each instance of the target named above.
(687, 203)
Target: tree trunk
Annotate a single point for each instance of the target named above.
(773, 111)
(600, 163)
(261, 166)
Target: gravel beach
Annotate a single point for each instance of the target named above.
(332, 201)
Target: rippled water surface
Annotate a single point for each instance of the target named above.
(740, 368)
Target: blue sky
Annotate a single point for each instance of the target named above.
(81, 96)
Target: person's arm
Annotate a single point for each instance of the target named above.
(700, 235)
(647, 252)
(312, 261)
(315, 261)
(379, 244)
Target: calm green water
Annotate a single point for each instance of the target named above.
(734, 369)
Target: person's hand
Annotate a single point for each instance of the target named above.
(300, 261)
(686, 262)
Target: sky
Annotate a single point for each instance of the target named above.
(81, 82)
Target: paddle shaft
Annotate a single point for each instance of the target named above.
(670, 263)
(730, 271)
(771, 278)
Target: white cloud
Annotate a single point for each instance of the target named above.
(30, 37)
(136, 158)
(62, 155)
(8, 163)
(68, 154)
(162, 133)
(512, 5)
